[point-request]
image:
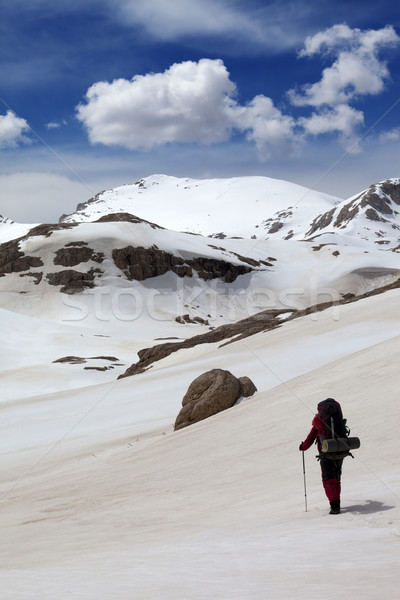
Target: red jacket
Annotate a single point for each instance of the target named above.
(316, 432)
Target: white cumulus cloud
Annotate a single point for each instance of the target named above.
(196, 102)
(392, 135)
(55, 124)
(265, 125)
(189, 102)
(341, 119)
(358, 69)
(186, 103)
(12, 129)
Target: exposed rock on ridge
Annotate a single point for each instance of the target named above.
(137, 263)
(12, 260)
(127, 218)
(380, 204)
(141, 263)
(262, 321)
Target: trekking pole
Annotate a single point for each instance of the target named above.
(304, 477)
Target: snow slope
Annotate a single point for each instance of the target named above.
(100, 498)
(119, 316)
(238, 206)
(281, 274)
(10, 230)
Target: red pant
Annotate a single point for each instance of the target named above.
(331, 471)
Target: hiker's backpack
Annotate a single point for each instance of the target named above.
(330, 413)
(334, 437)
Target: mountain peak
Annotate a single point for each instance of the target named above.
(249, 207)
(372, 215)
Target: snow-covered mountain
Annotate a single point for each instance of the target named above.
(9, 230)
(313, 247)
(370, 217)
(256, 207)
(135, 275)
(237, 207)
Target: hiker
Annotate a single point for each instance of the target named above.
(331, 468)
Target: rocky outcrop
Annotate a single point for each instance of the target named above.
(37, 276)
(321, 222)
(138, 263)
(262, 321)
(378, 203)
(185, 319)
(79, 360)
(126, 218)
(75, 253)
(13, 260)
(82, 206)
(73, 282)
(46, 229)
(209, 394)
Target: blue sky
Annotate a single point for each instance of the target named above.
(98, 93)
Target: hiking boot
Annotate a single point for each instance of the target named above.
(335, 507)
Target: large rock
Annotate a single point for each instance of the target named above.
(247, 387)
(209, 394)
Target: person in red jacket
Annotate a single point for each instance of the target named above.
(331, 470)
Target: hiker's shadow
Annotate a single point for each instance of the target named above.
(371, 506)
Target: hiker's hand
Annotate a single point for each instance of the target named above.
(301, 446)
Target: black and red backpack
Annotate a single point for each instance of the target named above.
(330, 413)
(334, 437)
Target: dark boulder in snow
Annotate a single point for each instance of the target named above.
(247, 387)
(209, 394)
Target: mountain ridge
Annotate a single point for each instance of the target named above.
(255, 207)
(239, 206)
(345, 249)
(374, 212)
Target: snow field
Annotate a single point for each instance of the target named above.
(100, 498)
